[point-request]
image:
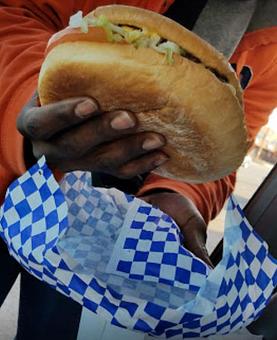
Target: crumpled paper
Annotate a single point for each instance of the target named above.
(123, 259)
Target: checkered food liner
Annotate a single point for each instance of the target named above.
(123, 258)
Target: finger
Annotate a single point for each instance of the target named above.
(76, 142)
(195, 242)
(110, 157)
(201, 252)
(199, 249)
(44, 122)
(113, 156)
(142, 165)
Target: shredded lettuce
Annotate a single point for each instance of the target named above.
(75, 20)
(84, 26)
(103, 22)
(117, 37)
(136, 37)
(169, 48)
(133, 36)
(117, 29)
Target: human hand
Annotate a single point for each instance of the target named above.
(188, 218)
(74, 135)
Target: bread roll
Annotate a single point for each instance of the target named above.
(195, 101)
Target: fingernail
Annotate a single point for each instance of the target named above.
(152, 143)
(122, 121)
(85, 108)
(161, 160)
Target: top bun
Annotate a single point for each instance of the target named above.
(194, 102)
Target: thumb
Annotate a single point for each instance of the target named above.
(200, 250)
(195, 240)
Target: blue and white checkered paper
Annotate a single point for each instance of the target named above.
(123, 259)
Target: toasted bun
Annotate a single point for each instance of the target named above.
(200, 115)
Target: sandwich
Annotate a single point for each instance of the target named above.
(178, 85)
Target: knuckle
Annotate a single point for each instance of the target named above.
(103, 126)
(104, 163)
(139, 140)
(66, 149)
(128, 154)
(137, 145)
(29, 125)
(63, 111)
(130, 147)
(124, 173)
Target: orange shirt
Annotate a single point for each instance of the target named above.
(26, 26)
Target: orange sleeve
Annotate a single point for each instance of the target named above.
(260, 95)
(25, 27)
(259, 99)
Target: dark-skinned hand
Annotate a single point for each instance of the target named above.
(188, 218)
(74, 135)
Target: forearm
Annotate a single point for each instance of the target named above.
(209, 198)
